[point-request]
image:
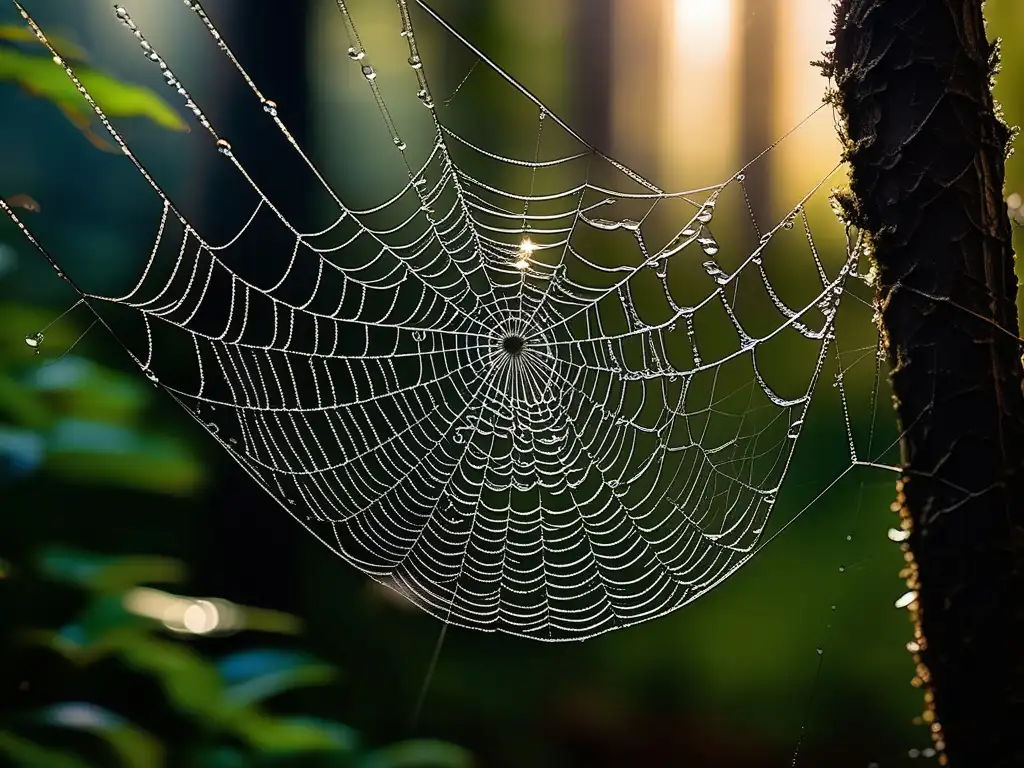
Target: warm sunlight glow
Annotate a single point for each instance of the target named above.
(201, 617)
(699, 91)
(705, 24)
(803, 26)
(182, 614)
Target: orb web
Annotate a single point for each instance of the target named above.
(525, 386)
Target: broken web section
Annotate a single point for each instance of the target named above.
(512, 379)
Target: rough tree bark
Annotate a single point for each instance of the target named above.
(926, 150)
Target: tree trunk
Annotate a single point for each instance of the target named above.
(926, 149)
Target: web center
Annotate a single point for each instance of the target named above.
(513, 344)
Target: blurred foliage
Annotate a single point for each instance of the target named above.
(72, 417)
(37, 75)
(218, 713)
(76, 419)
(79, 421)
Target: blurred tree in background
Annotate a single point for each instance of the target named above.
(91, 460)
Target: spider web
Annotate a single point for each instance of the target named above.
(527, 388)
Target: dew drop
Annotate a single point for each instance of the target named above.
(415, 63)
(150, 375)
(419, 336)
(906, 600)
(224, 147)
(356, 54)
(708, 245)
(34, 341)
(270, 107)
(820, 650)
(706, 212)
(369, 72)
(120, 12)
(715, 271)
(400, 144)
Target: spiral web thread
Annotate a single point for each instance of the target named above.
(493, 391)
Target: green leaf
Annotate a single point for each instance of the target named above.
(191, 683)
(108, 573)
(40, 77)
(295, 734)
(219, 757)
(15, 33)
(21, 452)
(103, 628)
(267, 620)
(255, 675)
(28, 754)
(96, 452)
(418, 753)
(91, 392)
(195, 687)
(134, 747)
(22, 405)
(344, 738)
